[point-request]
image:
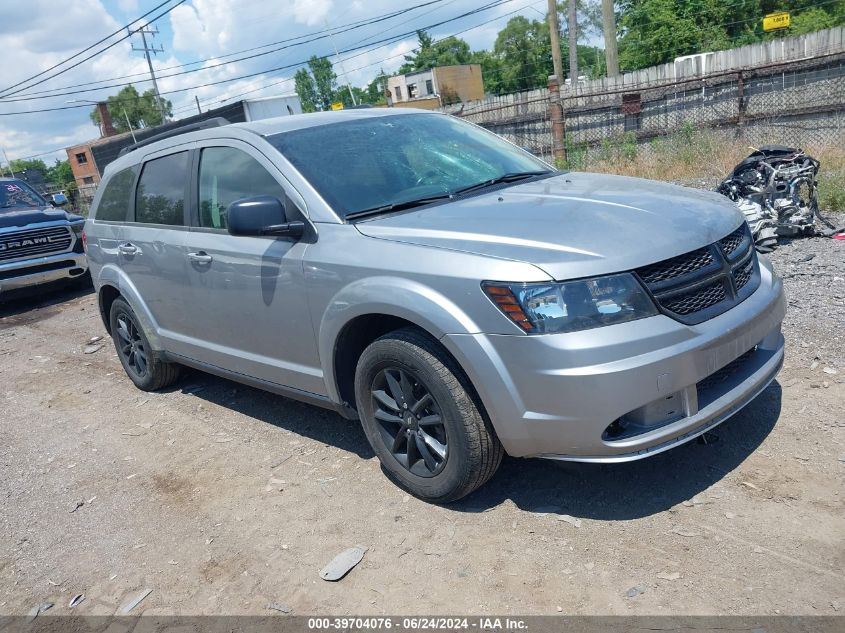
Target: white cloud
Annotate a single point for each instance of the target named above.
(197, 30)
(128, 6)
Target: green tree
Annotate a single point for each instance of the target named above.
(19, 166)
(446, 52)
(524, 54)
(658, 31)
(317, 85)
(60, 174)
(141, 109)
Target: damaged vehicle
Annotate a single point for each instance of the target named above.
(39, 243)
(775, 188)
(455, 295)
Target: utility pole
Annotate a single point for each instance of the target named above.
(554, 36)
(339, 63)
(608, 19)
(199, 109)
(144, 31)
(572, 27)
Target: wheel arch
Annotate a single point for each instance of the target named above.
(368, 308)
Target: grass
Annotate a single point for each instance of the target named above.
(696, 157)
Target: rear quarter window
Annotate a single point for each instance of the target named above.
(114, 202)
(160, 197)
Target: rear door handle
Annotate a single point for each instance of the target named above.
(201, 257)
(128, 249)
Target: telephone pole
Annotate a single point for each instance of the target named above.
(572, 27)
(144, 31)
(554, 35)
(608, 19)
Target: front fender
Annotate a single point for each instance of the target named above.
(110, 275)
(392, 296)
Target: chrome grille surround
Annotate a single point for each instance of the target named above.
(29, 243)
(706, 282)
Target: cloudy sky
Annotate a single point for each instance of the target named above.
(40, 33)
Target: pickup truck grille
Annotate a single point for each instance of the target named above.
(706, 282)
(35, 242)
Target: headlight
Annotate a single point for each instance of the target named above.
(77, 228)
(550, 308)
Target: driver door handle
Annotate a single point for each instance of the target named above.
(201, 257)
(128, 248)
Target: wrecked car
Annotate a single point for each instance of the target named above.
(775, 188)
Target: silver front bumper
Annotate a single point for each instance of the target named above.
(557, 395)
(41, 270)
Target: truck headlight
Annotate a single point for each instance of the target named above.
(570, 306)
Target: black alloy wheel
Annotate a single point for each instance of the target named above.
(131, 346)
(410, 422)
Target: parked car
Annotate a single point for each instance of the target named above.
(39, 243)
(458, 296)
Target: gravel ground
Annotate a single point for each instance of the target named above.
(223, 499)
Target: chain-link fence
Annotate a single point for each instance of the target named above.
(799, 102)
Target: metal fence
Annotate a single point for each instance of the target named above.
(797, 102)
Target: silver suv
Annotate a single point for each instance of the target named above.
(455, 294)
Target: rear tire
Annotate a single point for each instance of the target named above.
(141, 363)
(420, 417)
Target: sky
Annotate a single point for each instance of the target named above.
(40, 33)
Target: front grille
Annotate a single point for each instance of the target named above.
(697, 300)
(723, 374)
(706, 282)
(35, 242)
(742, 274)
(676, 266)
(733, 241)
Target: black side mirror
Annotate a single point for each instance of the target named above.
(261, 215)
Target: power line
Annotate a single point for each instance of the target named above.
(380, 61)
(486, 7)
(85, 50)
(91, 56)
(307, 37)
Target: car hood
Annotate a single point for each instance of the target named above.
(571, 225)
(21, 216)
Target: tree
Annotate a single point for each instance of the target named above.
(446, 52)
(60, 174)
(658, 31)
(317, 85)
(523, 49)
(19, 166)
(141, 109)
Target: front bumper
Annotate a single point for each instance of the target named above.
(26, 273)
(558, 395)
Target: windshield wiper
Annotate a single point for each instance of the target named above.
(510, 177)
(398, 206)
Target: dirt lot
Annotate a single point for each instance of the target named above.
(223, 499)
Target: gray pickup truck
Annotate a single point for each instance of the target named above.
(39, 243)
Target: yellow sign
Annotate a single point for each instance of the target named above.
(775, 21)
(337, 105)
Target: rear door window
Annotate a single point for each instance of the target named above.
(114, 203)
(228, 174)
(160, 198)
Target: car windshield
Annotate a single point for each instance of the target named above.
(380, 163)
(14, 193)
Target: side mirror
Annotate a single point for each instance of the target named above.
(59, 199)
(261, 215)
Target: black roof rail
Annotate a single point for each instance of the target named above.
(217, 121)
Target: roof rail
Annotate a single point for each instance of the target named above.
(182, 129)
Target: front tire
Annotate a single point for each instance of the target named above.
(421, 419)
(142, 364)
